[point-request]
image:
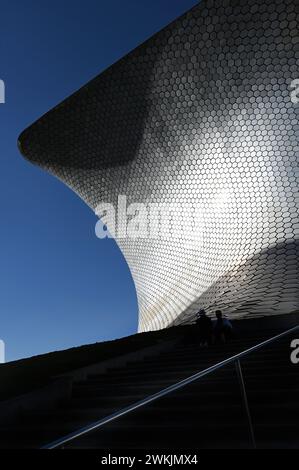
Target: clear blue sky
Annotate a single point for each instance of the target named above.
(60, 286)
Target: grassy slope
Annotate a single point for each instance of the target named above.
(25, 375)
(22, 376)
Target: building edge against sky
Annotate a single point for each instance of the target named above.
(199, 115)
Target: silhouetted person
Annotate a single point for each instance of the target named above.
(205, 328)
(223, 329)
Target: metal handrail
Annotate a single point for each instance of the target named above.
(97, 424)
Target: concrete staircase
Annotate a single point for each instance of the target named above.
(205, 414)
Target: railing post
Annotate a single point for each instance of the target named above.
(245, 403)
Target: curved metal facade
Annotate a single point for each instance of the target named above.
(199, 114)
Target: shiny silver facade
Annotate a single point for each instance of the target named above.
(200, 114)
